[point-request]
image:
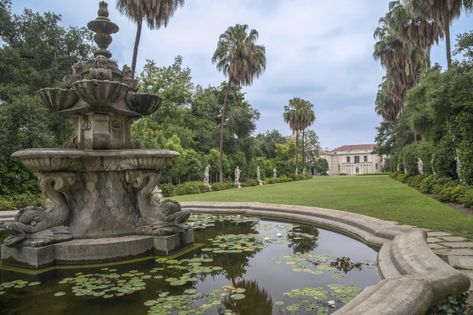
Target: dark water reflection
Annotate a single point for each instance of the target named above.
(265, 281)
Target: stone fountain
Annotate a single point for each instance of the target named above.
(103, 202)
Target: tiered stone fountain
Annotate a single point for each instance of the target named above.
(103, 201)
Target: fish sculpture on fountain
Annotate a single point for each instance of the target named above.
(98, 185)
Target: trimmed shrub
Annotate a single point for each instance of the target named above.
(21, 201)
(409, 157)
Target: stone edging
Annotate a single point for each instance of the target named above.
(414, 277)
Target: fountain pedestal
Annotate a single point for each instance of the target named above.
(103, 202)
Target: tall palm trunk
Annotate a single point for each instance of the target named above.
(137, 44)
(222, 122)
(297, 148)
(303, 149)
(448, 44)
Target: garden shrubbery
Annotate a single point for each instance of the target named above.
(20, 201)
(190, 188)
(442, 188)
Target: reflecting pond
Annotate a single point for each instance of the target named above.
(243, 266)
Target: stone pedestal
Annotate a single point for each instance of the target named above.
(81, 251)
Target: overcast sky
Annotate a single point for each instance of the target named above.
(319, 50)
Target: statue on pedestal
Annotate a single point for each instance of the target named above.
(237, 177)
(206, 177)
(258, 177)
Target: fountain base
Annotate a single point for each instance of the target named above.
(97, 250)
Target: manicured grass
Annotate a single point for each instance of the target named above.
(376, 196)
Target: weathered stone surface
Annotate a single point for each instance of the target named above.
(103, 249)
(454, 252)
(166, 244)
(187, 238)
(461, 262)
(434, 240)
(32, 257)
(469, 274)
(437, 234)
(436, 246)
(458, 244)
(453, 238)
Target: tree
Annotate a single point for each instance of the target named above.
(156, 13)
(322, 166)
(241, 60)
(299, 114)
(401, 58)
(443, 12)
(36, 52)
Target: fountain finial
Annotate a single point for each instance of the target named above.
(103, 27)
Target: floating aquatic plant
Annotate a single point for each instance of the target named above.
(203, 220)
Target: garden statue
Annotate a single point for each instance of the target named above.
(275, 173)
(237, 177)
(420, 166)
(459, 165)
(297, 171)
(99, 188)
(258, 176)
(206, 177)
(432, 164)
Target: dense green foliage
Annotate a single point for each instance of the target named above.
(36, 52)
(191, 188)
(188, 122)
(435, 126)
(442, 188)
(428, 112)
(376, 196)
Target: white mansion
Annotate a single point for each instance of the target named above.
(353, 159)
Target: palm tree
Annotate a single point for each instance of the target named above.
(156, 13)
(299, 114)
(412, 29)
(241, 60)
(307, 119)
(442, 11)
(401, 58)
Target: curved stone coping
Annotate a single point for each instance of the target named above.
(47, 160)
(66, 153)
(414, 277)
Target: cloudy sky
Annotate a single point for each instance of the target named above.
(320, 50)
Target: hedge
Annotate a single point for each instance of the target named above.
(442, 188)
(190, 188)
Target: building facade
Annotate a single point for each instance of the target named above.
(353, 160)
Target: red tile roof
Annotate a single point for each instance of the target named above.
(356, 147)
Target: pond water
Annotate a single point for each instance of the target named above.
(245, 266)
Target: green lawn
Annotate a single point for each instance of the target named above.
(376, 196)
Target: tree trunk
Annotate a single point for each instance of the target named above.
(303, 149)
(297, 148)
(137, 44)
(222, 122)
(448, 44)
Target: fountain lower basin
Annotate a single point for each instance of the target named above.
(54, 160)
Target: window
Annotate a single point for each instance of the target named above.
(376, 165)
(348, 159)
(357, 159)
(365, 158)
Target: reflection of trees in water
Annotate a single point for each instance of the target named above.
(234, 264)
(256, 302)
(300, 244)
(227, 227)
